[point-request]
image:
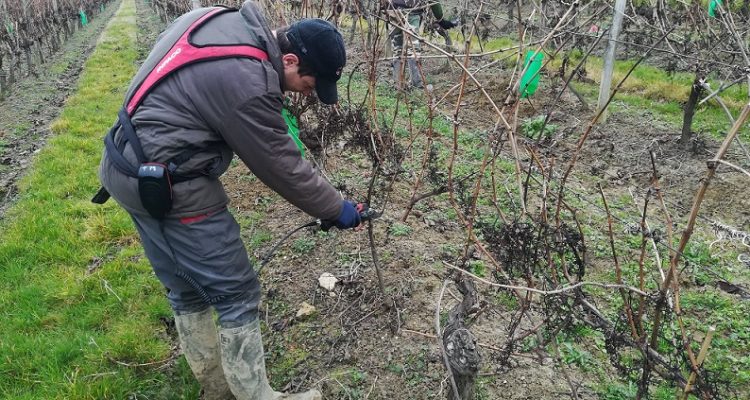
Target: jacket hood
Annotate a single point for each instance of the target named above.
(256, 23)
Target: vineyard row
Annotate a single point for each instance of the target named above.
(33, 30)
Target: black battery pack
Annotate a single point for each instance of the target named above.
(155, 189)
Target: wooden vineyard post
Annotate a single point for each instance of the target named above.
(609, 58)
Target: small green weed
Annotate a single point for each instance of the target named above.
(285, 365)
(351, 384)
(533, 127)
(572, 355)
(20, 129)
(259, 237)
(506, 300)
(399, 230)
(303, 245)
(401, 133)
(478, 268)
(450, 249)
(413, 369)
(618, 391)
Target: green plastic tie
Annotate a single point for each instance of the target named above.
(84, 20)
(293, 128)
(712, 6)
(530, 79)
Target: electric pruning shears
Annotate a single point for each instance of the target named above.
(365, 214)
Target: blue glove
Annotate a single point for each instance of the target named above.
(349, 216)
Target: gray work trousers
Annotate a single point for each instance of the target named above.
(202, 262)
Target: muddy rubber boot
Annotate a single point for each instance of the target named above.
(416, 77)
(245, 367)
(200, 344)
(398, 81)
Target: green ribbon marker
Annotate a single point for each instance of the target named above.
(84, 20)
(712, 5)
(101, 8)
(530, 79)
(9, 28)
(293, 128)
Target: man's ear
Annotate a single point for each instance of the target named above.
(290, 59)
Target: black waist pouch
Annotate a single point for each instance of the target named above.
(155, 189)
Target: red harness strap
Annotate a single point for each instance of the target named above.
(183, 53)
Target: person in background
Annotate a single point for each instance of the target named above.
(409, 14)
(212, 86)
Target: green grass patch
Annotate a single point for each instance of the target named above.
(80, 304)
(663, 93)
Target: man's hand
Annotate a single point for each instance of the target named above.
(348, 218)
(446, 24)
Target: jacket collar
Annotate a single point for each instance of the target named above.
(258, 26)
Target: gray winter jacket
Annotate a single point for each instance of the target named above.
(222, 106)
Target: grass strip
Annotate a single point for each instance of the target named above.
(80, 306)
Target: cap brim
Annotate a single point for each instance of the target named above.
(326, 90)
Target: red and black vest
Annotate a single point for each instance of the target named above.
(181, 53)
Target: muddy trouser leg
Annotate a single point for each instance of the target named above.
(415, 21)
(396, 35)
(398, 75)
(211, 254)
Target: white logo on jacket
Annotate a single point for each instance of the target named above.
(169, 59)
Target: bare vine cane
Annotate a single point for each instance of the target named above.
(653, 235)
(455, 124)
(563, 289)
(416, 198)
(641, 270)
(646, 366)
(390, 302)
(465, 70)
(562, 367)
(493, 179)
(728, 21)
(733, 166)
(469, 75)
(425, 157)
(626, 299)
(726, 110)
(701, 357)
(467, 223)
(544, 219)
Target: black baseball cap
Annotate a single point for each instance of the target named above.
(321, 46)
